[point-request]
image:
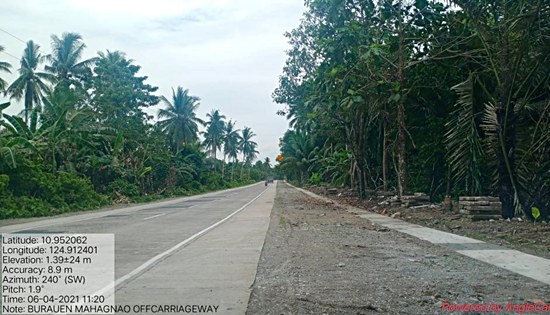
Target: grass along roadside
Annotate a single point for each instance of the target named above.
(113, 205)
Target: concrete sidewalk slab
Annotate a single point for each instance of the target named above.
(531, 266)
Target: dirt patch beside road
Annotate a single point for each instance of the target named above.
(319, 258)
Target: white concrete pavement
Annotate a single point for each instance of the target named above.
(199, 250)
(218, 268)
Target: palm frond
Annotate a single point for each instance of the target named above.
(5, 66)
(489, 125)
(6, 153)
(463, 139)
(19, 126)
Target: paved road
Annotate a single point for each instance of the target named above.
(196, 250)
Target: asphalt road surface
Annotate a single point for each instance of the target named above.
(195, 250)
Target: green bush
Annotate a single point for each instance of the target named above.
(77, 192)
(4, 181)
(123, 187)
(31, 191)
(27, 207)
(23, 207)
(177, 191)
(315, 179)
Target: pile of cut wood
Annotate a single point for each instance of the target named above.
(418, 199)
(480, 207)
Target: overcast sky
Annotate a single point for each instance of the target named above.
(227, 52)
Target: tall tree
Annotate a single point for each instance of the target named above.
(65, 59)
(509, 85)
(348, 76)
(248, 147)
(119, 96)
(213, 137)
(179, 119)
(4, 67)
(231, 139)
(31, 83)
(356, 78)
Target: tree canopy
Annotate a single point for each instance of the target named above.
(86, 139)
(446, 98)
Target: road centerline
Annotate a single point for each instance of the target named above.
(154, 216)
(58, 221)
(159, 257)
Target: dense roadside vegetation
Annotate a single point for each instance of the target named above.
(85, 140)
(442, 97)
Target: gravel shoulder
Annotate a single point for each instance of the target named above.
(318, 258)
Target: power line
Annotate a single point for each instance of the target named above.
(19, 39)
(7, 53)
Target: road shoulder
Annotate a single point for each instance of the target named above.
(320, 258)
(534, 267)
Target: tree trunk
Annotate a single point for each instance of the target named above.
(242, 167)
(506, 137)
(504, 166)
(359, 153)
(223, 167)
(362, 183)
(233, 169)
(401, 151)
(28, 104)
(401, 136)
(352, 173)
(385, 152)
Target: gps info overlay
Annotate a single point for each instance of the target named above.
(57, 273)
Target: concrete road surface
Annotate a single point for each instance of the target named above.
(195, 250)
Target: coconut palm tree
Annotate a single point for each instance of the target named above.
(299, 151)
(213, 137)
(5, 67)
(231, 140)
(248, 147)
(65, 58)
(31, 84)
(181, 120)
